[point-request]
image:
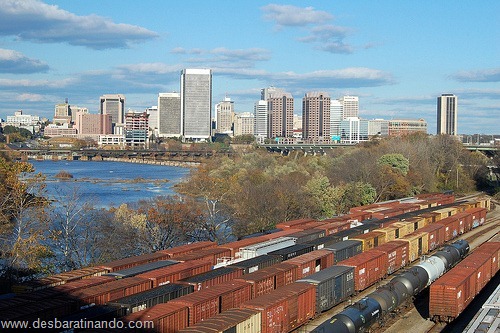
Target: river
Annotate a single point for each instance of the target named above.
(107, 184)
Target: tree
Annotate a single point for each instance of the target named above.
(395, 161)
(24, 218)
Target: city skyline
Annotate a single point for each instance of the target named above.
(397, 64)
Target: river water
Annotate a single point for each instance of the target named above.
(106, 184)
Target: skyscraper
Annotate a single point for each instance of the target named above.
(196, 103)
(260, 112)
(169, 115)
(447, 119)
(280, 114)
(115, 106)
(335, 117)
(316, 116)
(350, 106)
(225, 116)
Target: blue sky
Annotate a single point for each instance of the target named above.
(397, 56)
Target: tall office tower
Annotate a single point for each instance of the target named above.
(62, 113)
(169, 115)
(336, 111)
(87, 123)
(113, 104)
(350, 106)
(196, 103)
(280, 115)
(316, 116)
(447, 118)
(266, 92)
(225, 116)
(260, 112)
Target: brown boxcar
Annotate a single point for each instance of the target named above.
(207, 303)
(64, 289)
(334, 227)
(231, 321)
(312, 262)
(309, 225)
(286, 308)
(464, 222)
(491, 249)
(371, 239)
(436, 234)
(211, 255)
(265, 280)
(451, 227)
(120, 264)
(478, 216)
(166, 317)
(46, 310)
(451, 293)
(213, 277)
(481, 263)
(369, 267)
(289, 224)
(110, 291)
(397, 254)
(188, 248)
(173, 273)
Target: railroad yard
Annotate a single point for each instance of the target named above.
(375, 263)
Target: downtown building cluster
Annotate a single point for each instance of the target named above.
(187, 115)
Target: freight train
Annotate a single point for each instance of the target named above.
(189, 267)
(365, 312)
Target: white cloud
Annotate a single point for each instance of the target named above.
(34, 20)
(482, 75)
(15, 62)
(287, 15)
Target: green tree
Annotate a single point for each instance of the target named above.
(395, 161)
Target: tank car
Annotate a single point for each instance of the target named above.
(355, 318)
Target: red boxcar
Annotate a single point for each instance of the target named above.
(491, 249)
(312, 262)
(397, 255)
(166, 317)
(451, 227)
(289, 224)
(173, 273)
(451, 293)
(110, 291)
(120, 264)
(211, 301)
(481, 263)
(188, 248)
(436, 235)
(369, 267)
(286, 308)
(478, 216)
(211, 255)
(213, 278)
(265, 280)
(334, 227)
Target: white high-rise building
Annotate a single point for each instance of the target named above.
(335, 117)
(350, 106)
(113, 104)
(447, 118)
(196, 104)
(225, 116)
(153, 117)
(169, 115)
(260, 112)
